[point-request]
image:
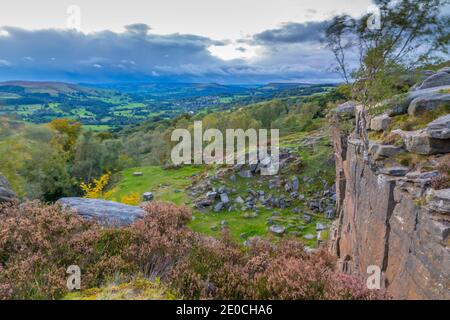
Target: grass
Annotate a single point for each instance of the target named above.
(242, 228)
(97, 128)
(138, 289)
(166, 184)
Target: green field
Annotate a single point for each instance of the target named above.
(166, 184)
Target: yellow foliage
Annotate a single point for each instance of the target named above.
(95, 189)
(68, 130)
(131, 199)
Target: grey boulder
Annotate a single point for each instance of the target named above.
(6, 193)
(440, 128)
(105, 212)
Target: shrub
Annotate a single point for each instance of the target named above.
(215, 269)
(132, 199)
(38, 242)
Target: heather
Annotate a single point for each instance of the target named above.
(39, 241)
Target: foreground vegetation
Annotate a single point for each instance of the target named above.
(38, 242)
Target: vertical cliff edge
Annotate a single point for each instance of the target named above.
(393, 200)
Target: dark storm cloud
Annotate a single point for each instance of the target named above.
(293, 33)
(139, 55)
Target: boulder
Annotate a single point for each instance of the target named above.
(6, 193)
(295, 184)
(251, 215)
(380, 123)
(440, 201)
(307, 218)
(245, 174)
(239, 200)
(346, 110)
(105, 212)
(444, 69)
(137, 174)
(309, 236)
(381, 151)
(219, 206)
(421, 142)
(438, 79)
(428, 102)
(319, 227)
(396, 171)
(277, 229)
(203, 203)
(147, 196)
(224, 198)
(440, 128)
(211, 195)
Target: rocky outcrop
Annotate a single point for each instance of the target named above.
(390, 218)
(6, 193)
(104, 212)
(441, 78)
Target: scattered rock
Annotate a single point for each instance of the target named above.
(105, 212)
(295, 184)
(440, 201)
(330, 213)
(224, 198)
(219, 206)
(277, 229)
(319, 227)
(309, 236)
(307, 218)
(250, 215)
(203, 203)
(239, 200)
(147, 196)
(211, 195)
(245, 174)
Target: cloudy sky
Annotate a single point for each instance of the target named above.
(232, 41)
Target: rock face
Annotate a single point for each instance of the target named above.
(440, 128)
(381, 223)
(6, 193)
(105, 212)
(380, 123)
(441, 78)
(421, 142)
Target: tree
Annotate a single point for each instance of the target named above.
(410, 34)
(68, 132)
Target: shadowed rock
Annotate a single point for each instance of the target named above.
(104, 212)
(6, 193)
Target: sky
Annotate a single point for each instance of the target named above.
(233, 41)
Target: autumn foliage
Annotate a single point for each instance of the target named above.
(38, 242)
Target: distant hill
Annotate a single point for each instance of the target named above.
(284, 86)
(51, 88)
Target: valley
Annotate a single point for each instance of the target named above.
(110, 107)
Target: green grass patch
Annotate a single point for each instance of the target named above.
(166, 184)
